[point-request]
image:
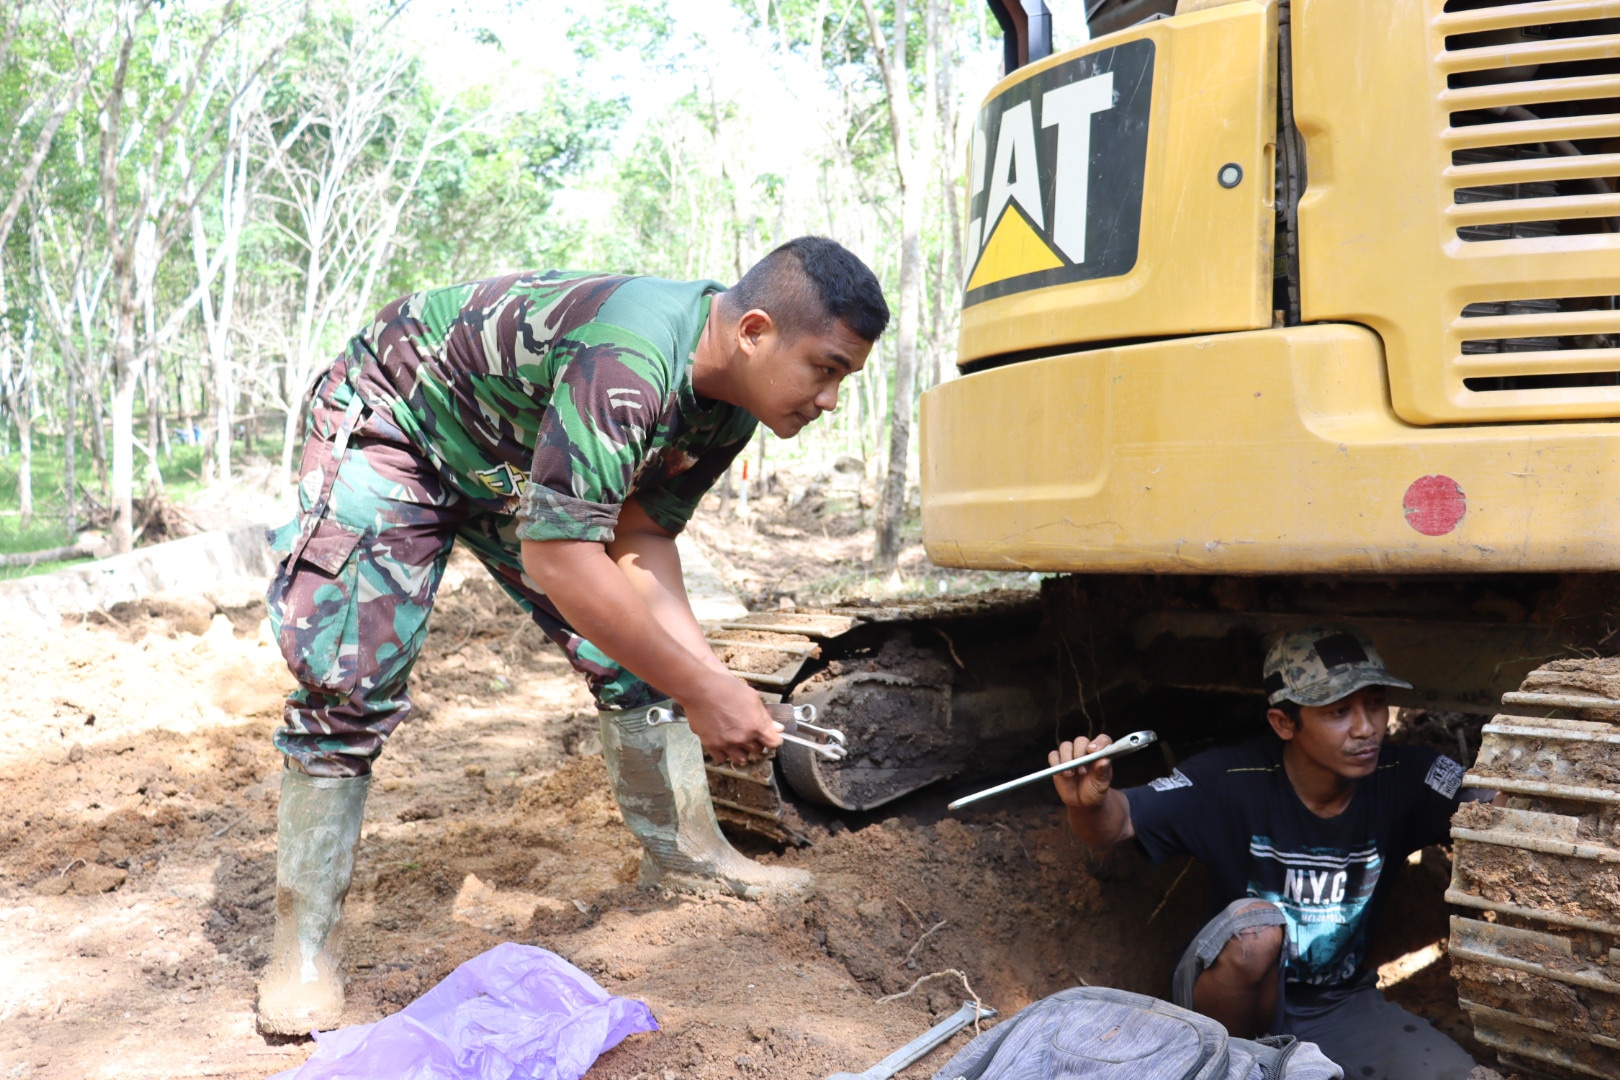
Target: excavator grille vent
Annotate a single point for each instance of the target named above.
(1533, 96)
(1570, 341)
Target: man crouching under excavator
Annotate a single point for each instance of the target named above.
(1295, 833)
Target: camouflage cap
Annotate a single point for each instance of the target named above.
(1318, 665)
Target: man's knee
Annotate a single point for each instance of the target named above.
(1245, 941)
(1253, 952)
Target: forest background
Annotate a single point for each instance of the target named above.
(200, 200)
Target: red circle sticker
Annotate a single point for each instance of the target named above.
(1434, 505)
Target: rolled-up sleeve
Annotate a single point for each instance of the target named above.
(544, 514)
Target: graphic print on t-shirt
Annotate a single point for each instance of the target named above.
(1445, 777)
(1323, 893)
(1176, 779)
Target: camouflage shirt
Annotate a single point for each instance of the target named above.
(556, 396)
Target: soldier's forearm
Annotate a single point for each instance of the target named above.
(601, 604)
(649, 560)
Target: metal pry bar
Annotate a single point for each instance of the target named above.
(1130, 744)
(793, 718)
(971, 1012)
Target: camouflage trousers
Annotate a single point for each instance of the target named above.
(358, 572)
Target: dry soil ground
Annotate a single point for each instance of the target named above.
(137, 831)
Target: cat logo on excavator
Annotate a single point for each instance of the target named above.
(1057, 174)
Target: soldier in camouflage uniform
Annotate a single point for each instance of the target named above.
(1296, 833)
(564, 427)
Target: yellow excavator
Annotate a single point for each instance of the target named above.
(1275, 311)
(1278, 310)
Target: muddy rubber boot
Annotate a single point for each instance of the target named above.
(317, 826)
(663, 792)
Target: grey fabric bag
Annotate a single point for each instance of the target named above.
(1095, 1033)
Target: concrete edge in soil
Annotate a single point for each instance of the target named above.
(229, 560)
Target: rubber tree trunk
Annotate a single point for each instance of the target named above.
(891, 57)
(16, 397)
(25, 474)
(123, 453)
(892, 506)
(98, 444)
(217, 321)
(289, 421)
(69, 458)
(146, 261)
(299, 370)
(126, 364)
(154, 421)
(224, 382)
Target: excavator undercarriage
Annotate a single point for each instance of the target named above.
(919, 690)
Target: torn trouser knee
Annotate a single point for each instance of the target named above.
(1209, 942)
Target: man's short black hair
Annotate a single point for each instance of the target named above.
(807, 285)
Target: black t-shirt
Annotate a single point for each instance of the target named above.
(1236, 811)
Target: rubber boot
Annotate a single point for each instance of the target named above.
(663, 792)
(317, 826)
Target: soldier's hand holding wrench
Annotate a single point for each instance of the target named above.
(795, 722)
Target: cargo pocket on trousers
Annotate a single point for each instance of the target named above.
(316, 599)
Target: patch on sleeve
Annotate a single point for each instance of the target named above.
(1176, 779)
(1445, 776)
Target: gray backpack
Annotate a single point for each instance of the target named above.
(1093, 1033)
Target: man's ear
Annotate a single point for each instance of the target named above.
(1280, 723)
(754, 325)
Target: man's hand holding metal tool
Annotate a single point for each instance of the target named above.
(797, 724)
(1084, 785)
(1076, 755)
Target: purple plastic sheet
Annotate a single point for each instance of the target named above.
(513, 1013)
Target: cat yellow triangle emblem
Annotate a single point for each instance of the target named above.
(1013, 250)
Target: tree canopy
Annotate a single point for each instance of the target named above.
(204, 198)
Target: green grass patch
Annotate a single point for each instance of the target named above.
(182, 478)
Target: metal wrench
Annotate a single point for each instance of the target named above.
(913, 1051)
(1130, 744)
(793, 718)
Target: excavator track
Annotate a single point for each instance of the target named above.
(890, 677)
(1537, 959)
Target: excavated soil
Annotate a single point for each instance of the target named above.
(750, 654)
(137, 838)
(892, 705)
